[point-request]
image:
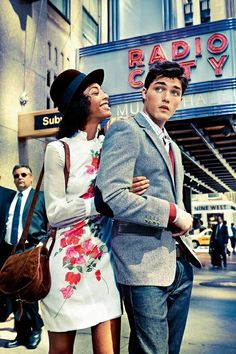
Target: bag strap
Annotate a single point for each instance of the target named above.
(67, 162)
(23, 238)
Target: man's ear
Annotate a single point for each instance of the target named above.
(144, 91)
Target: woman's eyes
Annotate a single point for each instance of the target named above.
(94, 93)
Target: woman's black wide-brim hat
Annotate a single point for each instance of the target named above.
(70, 82)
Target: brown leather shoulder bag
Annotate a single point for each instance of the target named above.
(25, 275)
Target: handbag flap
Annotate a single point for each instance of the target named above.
(21, 269)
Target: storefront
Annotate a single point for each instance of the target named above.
(205, 125)
(206, 209)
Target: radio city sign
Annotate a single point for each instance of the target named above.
(216, 45)
(206, 52)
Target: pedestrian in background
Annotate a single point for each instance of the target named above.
(83, 291)
(233, 237)
(218, 243)
(13, 213)
(156, 287)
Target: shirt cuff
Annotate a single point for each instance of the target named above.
(90, 207)
(172, 213)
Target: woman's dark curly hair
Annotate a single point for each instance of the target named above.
(168, 69)
(75, 118)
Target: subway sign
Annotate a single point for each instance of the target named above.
(39, 123)
(47, 120)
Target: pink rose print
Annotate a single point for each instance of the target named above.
(63, 242)
(89, 193)
(77, 260)
(80, 225)
(95, 162)
(80, 249)
(67, 292)
(88, 246)
(81, 252)
(98, 275)
(71, 252)
(90, 169)
(72, 278)
(96, 252)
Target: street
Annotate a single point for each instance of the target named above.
(211, 323)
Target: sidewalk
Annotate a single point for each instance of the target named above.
(211, 323)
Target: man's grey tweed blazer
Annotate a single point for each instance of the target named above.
(143, 247)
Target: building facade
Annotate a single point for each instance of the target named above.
(41, 38)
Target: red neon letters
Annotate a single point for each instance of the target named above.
(217, 43)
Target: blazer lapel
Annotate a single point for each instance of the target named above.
(157, 142)
(178, 169)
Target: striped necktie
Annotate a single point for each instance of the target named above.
(16, 219)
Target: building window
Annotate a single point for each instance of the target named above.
(61, 6)
(205, 11)
(90, 22)
(68, 63)
(56, 56)
(188, 13)
(48, 78)
(48, 103)
(62, 61)
(49, 51)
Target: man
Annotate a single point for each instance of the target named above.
(233, 237)
(5, 303)
(28, 326)
(219, 240)
(156, 287)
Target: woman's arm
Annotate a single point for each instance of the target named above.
(60, 209)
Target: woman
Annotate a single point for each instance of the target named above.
(83, 292)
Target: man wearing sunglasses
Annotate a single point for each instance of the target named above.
(13, 214)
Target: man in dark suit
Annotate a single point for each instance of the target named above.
(219, 240)
(28, 326)
(5, 303)
(155, 282)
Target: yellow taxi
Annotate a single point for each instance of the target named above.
(202, 238)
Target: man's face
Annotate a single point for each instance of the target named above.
(162, 98)
(22, 178)
(219, 220)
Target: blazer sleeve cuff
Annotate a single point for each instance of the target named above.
(172, 213)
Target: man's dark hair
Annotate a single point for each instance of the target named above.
(16, 167)
(168, 69)
(75, 118)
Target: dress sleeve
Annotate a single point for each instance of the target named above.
(60, 211)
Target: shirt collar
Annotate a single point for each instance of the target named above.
(161, 133)
(25, 192)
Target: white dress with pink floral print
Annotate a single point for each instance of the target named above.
(83, 291)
